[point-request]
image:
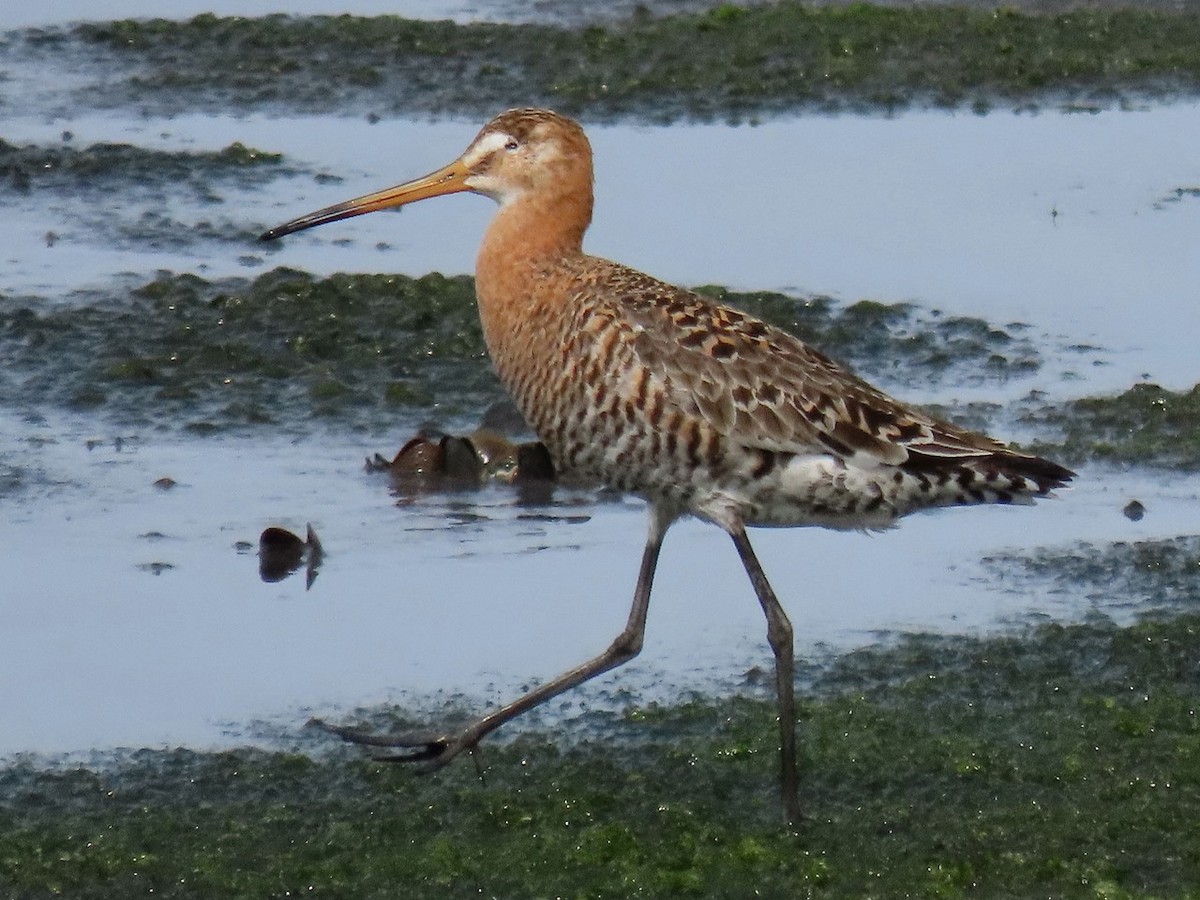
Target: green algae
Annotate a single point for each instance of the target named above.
(1058, 761)
(287, 349)
(1146, 424)
(1176, 196)
(725, 63)
(1142, 575)
(112, 178)
(13, 477)
(119, 167)
(281, 350)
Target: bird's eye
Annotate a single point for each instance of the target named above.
(511, 144)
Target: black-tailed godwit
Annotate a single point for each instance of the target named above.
(699, 408)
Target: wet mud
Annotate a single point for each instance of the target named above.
(1058, 762)
(1048, 760)
(124, 196)
(116, 170)
(288, 350)
(1145, 425)
(285, 350)
(1159, 578)
(727, 62)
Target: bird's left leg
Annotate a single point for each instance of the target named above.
(439, 747)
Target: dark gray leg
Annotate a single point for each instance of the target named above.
(439, 748)
(779, 634)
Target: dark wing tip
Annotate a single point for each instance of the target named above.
(1047, 475)
(1042, 475)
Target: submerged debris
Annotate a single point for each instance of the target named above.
(443, 460)
(1177, 195)
(280, 553)
(157, 567)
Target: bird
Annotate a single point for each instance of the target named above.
(700, 408)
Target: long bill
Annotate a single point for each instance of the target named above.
(449, 179)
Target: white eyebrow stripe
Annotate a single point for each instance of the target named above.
(489, 144)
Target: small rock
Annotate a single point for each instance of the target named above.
(1134, 510)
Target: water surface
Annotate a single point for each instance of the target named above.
(132, 615)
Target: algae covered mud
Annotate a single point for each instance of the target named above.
(725, 62)
(1057, 761)
(170, 388)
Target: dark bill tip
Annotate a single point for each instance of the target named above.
(274, 234)
(301, 224)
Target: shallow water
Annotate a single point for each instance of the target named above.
(130, 617)
(1070, 223)
(470, 593)
(59, 11)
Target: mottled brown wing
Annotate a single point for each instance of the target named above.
(749, 379)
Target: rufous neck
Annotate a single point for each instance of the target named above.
(536, 227)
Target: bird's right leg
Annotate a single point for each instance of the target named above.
(779, 635)
(438, 748)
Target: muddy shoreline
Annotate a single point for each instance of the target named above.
(727, 63)
(994, 705)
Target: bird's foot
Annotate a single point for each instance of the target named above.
(433, 748)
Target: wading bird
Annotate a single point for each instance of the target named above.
(699, 408)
